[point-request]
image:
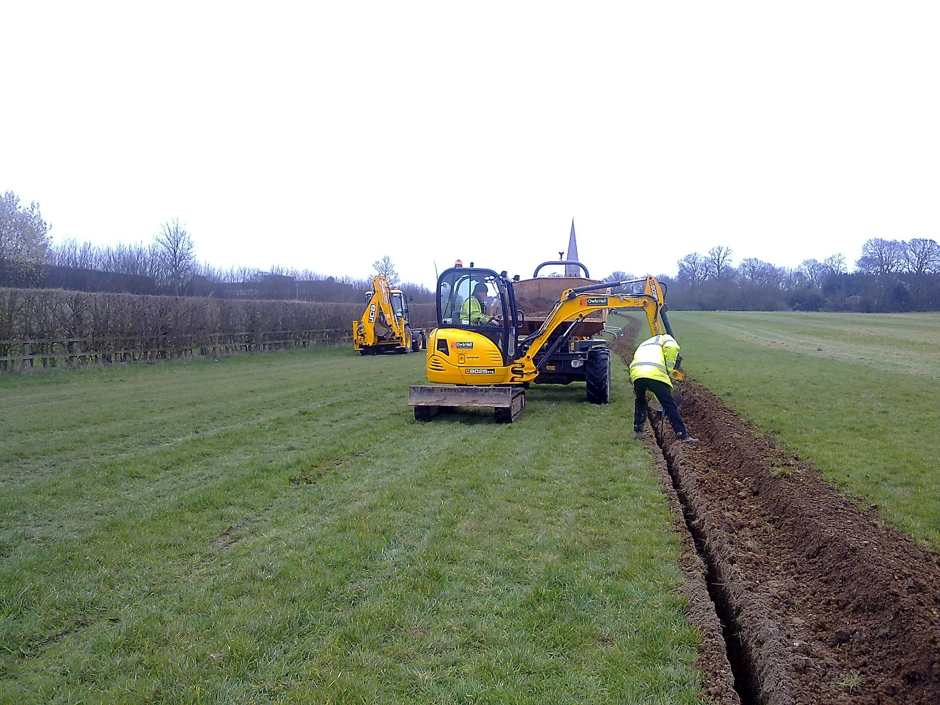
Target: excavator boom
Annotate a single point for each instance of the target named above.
(576, 304)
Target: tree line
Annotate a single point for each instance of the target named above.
(167, 265)
(890, 276)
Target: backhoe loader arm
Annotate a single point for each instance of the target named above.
(379, 322)
(383, 298)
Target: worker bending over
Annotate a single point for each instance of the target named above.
(654, 360)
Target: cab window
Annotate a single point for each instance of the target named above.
(469, 298)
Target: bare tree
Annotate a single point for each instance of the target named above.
(386, 268)
(813, 269)
(796, 278)
(922, 264)
(835, 264)
(618, 276)
(176, 253)
(881, 257)
(922, 257)
(718, 263)
(127, 259)
(760, 273)
(75, 254)
(693, 269)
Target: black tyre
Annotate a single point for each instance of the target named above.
(415, 342)
(423, 413)
(597, 375)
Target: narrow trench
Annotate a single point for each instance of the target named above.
(746, 680)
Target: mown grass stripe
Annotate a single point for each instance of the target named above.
(865, 413)
(278, 529)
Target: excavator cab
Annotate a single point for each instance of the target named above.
(399, 306)
(481, 303)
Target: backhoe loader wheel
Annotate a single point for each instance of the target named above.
(597, 375)
(415, 342)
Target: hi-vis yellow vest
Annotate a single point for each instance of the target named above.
(472, 311)
(655, 358)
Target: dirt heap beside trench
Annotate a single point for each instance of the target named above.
(827, 604)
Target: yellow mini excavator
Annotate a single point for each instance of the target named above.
(383, 326)
(486, 351)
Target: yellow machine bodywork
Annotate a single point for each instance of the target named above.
(486, 355)
(473, 358)
(383, 326)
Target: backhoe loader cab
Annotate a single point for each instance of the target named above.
(496, 336)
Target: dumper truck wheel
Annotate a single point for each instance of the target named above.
(597, 375)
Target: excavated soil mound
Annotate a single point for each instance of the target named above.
(820, 602)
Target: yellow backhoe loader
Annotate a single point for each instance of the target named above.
(384, 326)
(486, 350)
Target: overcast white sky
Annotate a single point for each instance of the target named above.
(324, 135)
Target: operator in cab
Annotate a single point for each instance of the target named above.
(474, 308)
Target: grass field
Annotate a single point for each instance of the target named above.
(857, 395)
(277, 528)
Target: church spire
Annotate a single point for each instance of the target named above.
(571, 270)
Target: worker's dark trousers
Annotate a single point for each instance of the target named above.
(663, 392)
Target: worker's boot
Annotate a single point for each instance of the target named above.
(688, 439)
(637, 432)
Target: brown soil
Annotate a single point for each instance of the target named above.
(819, 600)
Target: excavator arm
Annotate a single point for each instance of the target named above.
(575, 304)
(483, 366)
